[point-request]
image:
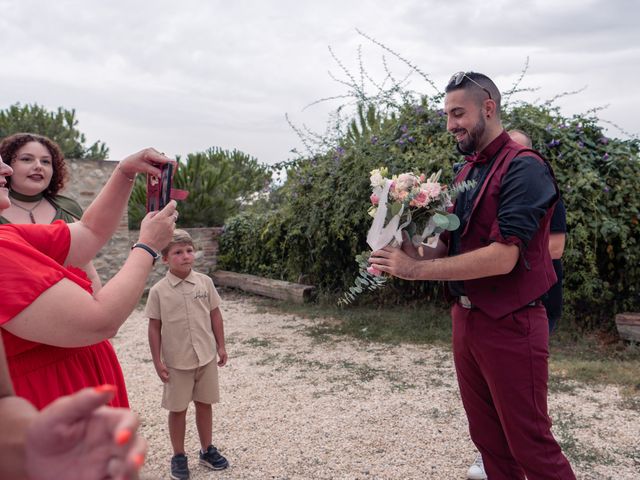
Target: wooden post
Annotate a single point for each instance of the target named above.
(293, 292)
(629, 326)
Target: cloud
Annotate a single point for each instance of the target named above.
(192, 74)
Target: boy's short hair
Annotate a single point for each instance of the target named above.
(179, 237)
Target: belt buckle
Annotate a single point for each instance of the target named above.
(464, 302)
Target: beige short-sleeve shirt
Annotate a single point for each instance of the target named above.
(183, 306)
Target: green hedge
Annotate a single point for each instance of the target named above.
(600, 181)
(321, 221)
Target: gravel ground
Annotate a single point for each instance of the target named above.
(299, 406)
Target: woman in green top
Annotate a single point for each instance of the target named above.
(39, 173)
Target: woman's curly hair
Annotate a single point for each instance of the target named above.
(10, 145)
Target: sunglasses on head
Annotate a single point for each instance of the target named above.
(458, 78)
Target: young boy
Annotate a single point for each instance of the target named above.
(184, 325)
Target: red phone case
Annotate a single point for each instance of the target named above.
(159, 188)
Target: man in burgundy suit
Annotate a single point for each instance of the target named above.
(497, 266)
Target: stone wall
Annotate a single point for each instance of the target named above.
(86, 179)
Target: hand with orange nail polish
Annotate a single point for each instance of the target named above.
(78, 438)
(106, 388)
(122, 437)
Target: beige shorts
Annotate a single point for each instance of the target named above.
(197, 385)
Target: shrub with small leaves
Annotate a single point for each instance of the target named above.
(320, 224)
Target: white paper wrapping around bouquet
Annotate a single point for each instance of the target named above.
(432, 239)
(380, 236)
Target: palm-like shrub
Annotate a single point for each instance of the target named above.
(219, 182)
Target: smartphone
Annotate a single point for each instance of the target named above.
(159, 188)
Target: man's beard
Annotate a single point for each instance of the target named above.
(469, 144)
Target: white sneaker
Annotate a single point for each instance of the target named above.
(476, 470)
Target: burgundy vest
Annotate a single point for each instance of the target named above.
(533, 273)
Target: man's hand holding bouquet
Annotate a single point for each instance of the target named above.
(407, 207)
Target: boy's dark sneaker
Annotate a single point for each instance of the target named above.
(212, 459)
(179, 467)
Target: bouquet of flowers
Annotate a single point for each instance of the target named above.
(407, 202)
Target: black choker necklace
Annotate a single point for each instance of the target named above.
(26, 198)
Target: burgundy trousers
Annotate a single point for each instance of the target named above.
(502, 372)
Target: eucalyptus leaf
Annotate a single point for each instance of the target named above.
(454, 222)
(441, 220)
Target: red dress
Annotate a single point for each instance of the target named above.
(32, 258)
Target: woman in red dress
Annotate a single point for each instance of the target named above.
(55, 331)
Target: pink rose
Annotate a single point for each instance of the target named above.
(374, 271)
(432, 189)
(406, 181)
(374, 199)
(420, 200)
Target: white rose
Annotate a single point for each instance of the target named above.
(377, 180)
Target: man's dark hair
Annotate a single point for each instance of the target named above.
(479, 84)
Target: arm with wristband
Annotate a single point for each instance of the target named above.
(83, 319)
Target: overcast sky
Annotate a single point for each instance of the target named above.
(186, 75)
